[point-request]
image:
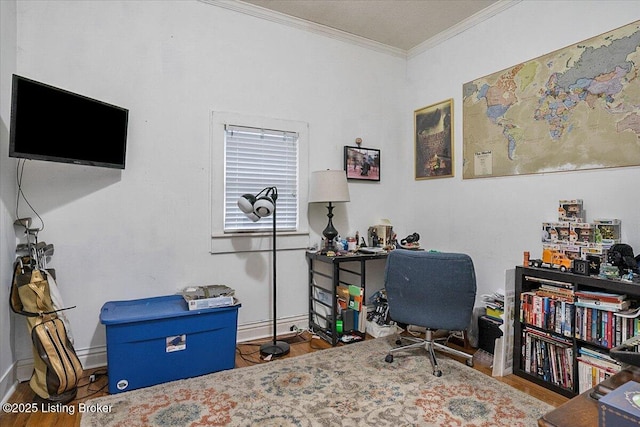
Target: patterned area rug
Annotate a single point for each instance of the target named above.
(343, 386)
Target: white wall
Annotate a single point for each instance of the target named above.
(496, 219)
(7, 195)
(145, 231)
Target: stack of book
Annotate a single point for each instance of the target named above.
(209, 296)
(596, 319)
(548, 356)
(549, 307)
(602, 300)
(494, 304)
(594, 367)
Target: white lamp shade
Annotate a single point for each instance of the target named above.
(253, 217)
(328, 186)
(258, 208)
(245, 203)
(263, 207)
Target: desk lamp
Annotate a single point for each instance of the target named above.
(329, 186)
(256, 207)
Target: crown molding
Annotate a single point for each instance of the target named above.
(470, 22)
(301, 24)
(291, 21)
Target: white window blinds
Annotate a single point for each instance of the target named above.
(255, 159)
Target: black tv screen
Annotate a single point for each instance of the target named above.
(52, 124)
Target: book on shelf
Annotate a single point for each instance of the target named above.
(546, 312)
(607, 297)
(590, 375)
(550, 282)
(548, 357)
(623, 305)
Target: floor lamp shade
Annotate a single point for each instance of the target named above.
(256, 207)
(329, 186)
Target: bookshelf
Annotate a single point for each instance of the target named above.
(327, 276)
(556, 337)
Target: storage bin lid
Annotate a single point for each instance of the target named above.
(139, 310)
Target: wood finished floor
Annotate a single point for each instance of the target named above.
(246, 355)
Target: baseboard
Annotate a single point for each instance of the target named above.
(8, 383)
(257, 330)
(96, 357)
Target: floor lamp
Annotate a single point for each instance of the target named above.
(255, 207)
(329, 186)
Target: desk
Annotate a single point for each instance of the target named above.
(582, 410)
(339, 265)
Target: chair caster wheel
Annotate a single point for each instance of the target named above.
(470, 363)
(437, 373)
(398, 341)
(389, 358)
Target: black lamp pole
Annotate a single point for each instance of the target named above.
(275, 348)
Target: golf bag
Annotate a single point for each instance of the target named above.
(57, 368)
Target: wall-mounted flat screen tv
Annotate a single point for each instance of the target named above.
(53, 124)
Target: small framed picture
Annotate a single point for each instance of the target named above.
(433, 133)
(362, 163)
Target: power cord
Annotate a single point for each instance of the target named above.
(91, 379)
(19, 173)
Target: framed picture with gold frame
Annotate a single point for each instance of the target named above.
(433, 133)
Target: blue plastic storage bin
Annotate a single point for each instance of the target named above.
(155, 340)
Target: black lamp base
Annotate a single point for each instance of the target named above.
(329, 247)
(274, 349)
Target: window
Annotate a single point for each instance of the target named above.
(249, 154)
(254, 159)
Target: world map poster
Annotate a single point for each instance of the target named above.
(573, 109)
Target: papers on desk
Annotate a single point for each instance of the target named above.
(371, 250)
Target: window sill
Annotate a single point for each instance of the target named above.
(259, 241)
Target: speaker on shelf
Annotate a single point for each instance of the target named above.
(581, 266)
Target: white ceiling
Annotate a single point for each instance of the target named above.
(401, 24)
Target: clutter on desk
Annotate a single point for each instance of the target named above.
(410, 242)
(209, 296)
(380, 238)
(381, 235)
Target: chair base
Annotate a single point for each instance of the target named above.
(430, 345)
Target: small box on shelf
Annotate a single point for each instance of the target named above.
(556, 232)
(571, 210)
(607, 231)
(581, 233)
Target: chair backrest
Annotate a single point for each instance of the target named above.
(435, 290)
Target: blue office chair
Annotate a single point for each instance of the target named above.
(434, 290)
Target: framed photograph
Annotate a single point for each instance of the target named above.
(362, 163)
(433, 133)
